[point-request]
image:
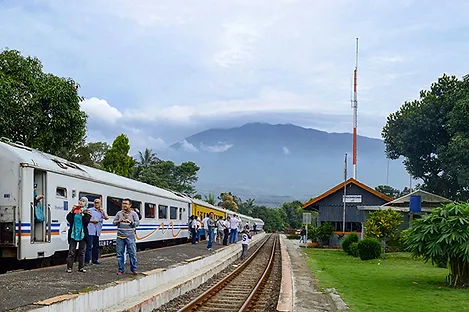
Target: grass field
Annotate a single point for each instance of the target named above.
(397, 283)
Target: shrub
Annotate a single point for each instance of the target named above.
(349, 240)
(403, 237)
(442, 236)
(293, 236)
(354, 249)
(369, 248)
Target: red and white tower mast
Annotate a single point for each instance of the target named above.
(355, 106)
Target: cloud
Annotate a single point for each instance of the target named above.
(188, 147)
(286, 151)
(168, 69)
(100, 109)
(220, 148)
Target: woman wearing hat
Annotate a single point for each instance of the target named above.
(78, 219)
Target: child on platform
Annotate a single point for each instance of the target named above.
(244, 243)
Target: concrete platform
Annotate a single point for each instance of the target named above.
(52, 289)
(306, 296)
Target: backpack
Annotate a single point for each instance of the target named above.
(38, 214)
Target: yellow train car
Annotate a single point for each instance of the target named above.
(201, 209)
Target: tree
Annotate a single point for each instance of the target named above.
(41, 110)
(210, 198)
(246, 207)
(432, 134)
(117, 159)
(186, 176)
(228, 202)
(167, 175)
(90, 154)
(97, 151)
(383, 225)
(388, 191)
(443, 234)
(147, 158)
(294, 214)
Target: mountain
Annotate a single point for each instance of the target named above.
(277, 163)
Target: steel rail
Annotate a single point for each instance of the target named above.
(212, 291)
(261, 280)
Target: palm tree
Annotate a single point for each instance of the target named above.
(210, 198)
(147, 158)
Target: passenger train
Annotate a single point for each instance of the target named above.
(165, 214)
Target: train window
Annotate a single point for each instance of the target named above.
(149, 210)
(114, 205)
(180, 213)
(61, 192)
(162, 212)
(173, 213)
(91, 197)
(135, 204)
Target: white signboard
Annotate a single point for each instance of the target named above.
(306, 218)
(352, 198)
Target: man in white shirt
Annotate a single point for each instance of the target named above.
(205, 223)
(234, 223)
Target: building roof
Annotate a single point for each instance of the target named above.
(429, 201)
(340, 186)
(427, 198)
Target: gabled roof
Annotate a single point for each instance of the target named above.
(340, 186)
(429, 201)
(427, 197)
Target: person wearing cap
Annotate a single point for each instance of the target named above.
(78, 218)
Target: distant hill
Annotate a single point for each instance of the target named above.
(277, 163)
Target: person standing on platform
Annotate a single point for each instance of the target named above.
(94, 231)
(226, 230)
(211, 226)
(245, 243)
(205, 224)
(126, 221)
(78, 218)
(193, 228)
(234, 223)
(220, 228)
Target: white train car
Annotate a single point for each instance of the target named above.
(164, 213)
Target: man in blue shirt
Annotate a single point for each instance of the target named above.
(94, 231)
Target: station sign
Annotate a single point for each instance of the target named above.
(352, 199)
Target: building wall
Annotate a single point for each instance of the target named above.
(331, 207)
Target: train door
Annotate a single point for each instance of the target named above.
(41, 230)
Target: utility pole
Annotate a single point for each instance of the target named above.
(355, 109)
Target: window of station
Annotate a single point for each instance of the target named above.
(61, 192)
(91, 197)
(114, 205)
(173, 213)
(150, 210)
(162, 212)
(349, 226)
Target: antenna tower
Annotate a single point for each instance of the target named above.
(355, 107)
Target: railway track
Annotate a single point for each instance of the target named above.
(241, 290)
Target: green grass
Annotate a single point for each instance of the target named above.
(397, 283)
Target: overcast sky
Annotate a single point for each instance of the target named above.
(162, 70)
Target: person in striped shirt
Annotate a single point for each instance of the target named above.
(126, 220)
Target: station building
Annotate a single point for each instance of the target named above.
(427, 201)
(330, 206)
(361, 200)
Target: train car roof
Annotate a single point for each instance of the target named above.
(208, 205)
(27, 156)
